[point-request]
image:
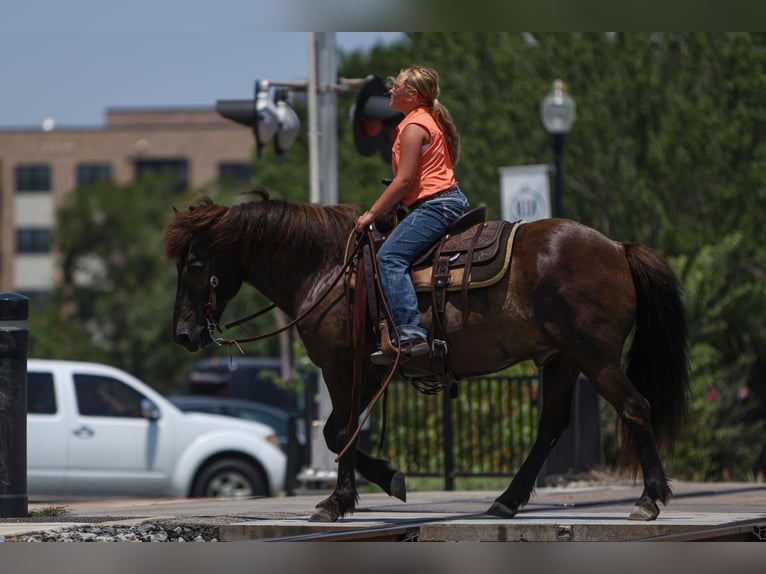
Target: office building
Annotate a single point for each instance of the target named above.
(38, 167)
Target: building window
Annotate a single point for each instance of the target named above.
(178, 169)
(92, 172)
(33, 178)
(33, 240)
(234, 172)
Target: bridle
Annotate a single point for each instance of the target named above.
(211, 307)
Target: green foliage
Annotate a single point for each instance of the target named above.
(53, 335)
(723, 438)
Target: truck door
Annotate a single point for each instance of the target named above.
(46, 444)
(111, 444)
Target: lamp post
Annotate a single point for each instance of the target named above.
(558, 112)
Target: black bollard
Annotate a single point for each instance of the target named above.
(14, 346)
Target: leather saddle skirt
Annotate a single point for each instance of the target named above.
(490, 257)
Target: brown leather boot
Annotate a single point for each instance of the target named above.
(411, 348)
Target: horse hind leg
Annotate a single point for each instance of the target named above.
(638, 441)
(557, 386)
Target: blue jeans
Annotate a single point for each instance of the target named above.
(422, 227)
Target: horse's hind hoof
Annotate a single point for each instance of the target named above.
(323, 515)
(398, 488)
(500, 510)
(644, 511)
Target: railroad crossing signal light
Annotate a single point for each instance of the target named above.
(289, 124)
(269, 118)
(374, 122)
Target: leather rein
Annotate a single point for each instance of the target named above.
(212, 305)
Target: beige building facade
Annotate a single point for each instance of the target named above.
(39, 167)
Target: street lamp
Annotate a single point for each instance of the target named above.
(558, 112)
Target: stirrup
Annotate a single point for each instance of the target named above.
(413, 348)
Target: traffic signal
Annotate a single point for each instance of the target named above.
(373, 121)
(269, 117)
(289, 124)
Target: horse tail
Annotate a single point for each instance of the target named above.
(657, 362)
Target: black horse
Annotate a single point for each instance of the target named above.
(571, 295)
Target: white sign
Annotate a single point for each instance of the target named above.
(525, 192)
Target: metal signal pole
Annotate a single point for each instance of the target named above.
(323, 185)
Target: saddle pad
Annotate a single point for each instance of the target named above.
(484, 271)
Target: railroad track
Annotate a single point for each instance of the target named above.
(733, 533)
(409, 530)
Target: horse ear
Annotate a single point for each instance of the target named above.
(174, 209)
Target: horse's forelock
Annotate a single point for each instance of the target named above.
(199, 216)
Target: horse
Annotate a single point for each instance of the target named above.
(572, 299)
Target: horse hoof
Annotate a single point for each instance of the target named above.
(500, 510)
(646, 513)
(398, 488)
(323, 515)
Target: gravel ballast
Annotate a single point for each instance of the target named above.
(146, 532)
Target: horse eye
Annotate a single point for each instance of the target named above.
(195, 266)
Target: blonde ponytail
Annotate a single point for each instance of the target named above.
(426, 82)
(441, 115)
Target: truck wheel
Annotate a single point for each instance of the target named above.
(230, 477)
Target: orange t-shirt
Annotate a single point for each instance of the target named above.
(434, 172)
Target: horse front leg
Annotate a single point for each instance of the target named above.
(557, 385)
(379, 471)
(344, 497)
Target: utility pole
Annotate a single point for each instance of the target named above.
(323, 122)
(323, 185)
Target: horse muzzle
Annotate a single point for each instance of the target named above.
(192, 339)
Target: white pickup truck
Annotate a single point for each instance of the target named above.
(94, 429)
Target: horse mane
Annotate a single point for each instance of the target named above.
(315, 230)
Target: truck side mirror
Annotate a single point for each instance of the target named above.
(149, 410)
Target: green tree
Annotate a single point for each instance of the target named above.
(115, 284)
(54, 335)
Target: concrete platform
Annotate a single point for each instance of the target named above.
(574, 512)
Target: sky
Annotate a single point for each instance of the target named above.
(72, 60)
